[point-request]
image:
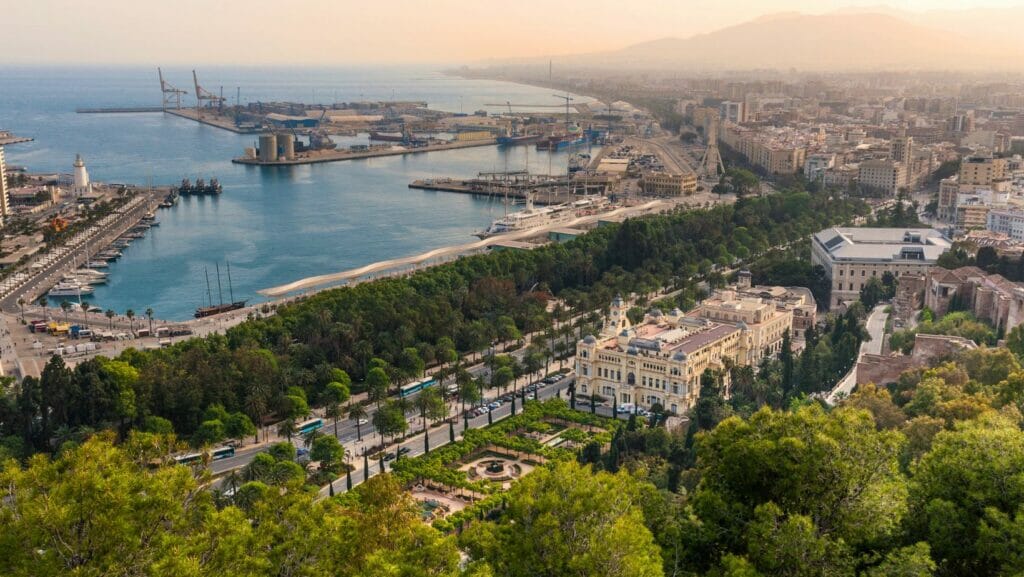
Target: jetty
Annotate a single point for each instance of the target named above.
(319, 156)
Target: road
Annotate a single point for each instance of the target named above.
(876, 328)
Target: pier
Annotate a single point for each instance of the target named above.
(477, 187)
(212, 118)
(316, 157)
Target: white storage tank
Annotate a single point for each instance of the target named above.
(286, 146)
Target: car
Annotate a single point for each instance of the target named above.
(494, 405)
(390, 456)
(404, 450)
(363, 421)
(301, 452)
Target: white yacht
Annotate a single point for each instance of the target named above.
(70, 289)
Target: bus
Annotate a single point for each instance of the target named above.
(416, 386)
(309, 426)
(222, 453)
(188, 459)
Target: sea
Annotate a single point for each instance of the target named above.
(272, 224)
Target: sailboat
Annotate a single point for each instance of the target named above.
(222, 307)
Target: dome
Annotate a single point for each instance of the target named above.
(676, 312)
(624, 333)
(631, 351)
(679, 356)
(655, 312)
(743, 326)
(589, 340)
(617, 301)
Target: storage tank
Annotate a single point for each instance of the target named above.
(250, 152)
(268, 147)
(286, 146)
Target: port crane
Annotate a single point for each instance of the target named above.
(204, 94)
(170, 93)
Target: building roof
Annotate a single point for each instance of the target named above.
(847, 243)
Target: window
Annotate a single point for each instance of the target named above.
(631, 379)
(583, 388)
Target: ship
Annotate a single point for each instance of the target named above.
(515, 140)
(201, 187)
(531, 217)
(561, 142)
(222, 307)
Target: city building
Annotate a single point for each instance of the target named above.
(850, 256)
(799, 300)
(981, 171)
(1008, 221)
(668, 184)
(989, 297)
(902, 149)
(817, 164)
(949, 188)
(881, 177)
(762, 322)
(659, 361)
(733, 111)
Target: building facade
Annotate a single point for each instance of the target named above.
(881, 177)
(851, 256)
(989, 297)
(4, 194)
(660, 361)
(668, 184)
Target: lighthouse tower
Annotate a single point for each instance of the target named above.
(80, 179)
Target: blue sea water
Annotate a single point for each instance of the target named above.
(274, 225)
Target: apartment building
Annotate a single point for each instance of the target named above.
(881, 177)
(981, 170)
(668, 184)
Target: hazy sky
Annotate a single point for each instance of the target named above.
(353, 32)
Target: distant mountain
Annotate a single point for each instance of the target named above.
(837, 42)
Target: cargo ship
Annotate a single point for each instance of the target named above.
(561, 142)
(519, 139)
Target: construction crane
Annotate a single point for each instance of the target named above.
(567, 100)
(170, 93)
(204, 94)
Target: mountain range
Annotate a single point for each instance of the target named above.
(840, 41)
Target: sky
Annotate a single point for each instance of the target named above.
(351, 32)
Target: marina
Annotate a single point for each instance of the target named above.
(274, 226)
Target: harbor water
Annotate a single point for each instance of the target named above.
(273, 224)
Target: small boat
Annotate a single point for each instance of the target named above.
(97, 264)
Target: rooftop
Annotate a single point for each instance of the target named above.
(847, 243)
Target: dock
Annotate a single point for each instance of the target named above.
(211, 118)
(477, 188)
(319, 156)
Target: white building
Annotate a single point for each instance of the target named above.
(816, 164)
(851, 256)
(1009, 221)
(80, 183)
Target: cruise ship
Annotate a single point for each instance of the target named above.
(532, 217)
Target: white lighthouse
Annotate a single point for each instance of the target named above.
(80, 179)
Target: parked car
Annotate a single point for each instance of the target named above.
(403, 450)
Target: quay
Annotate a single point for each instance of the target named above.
(318, 156)
(46, 271)
(478, 188)
(211, 119)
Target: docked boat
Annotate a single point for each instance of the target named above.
(528, 218)
(222, 307)
(69, 289)
(514, 140)
(561, 142)
(97, 264)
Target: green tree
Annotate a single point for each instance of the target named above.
(329, 452)
(559, 522)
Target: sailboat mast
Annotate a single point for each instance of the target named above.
(220, 292)
(209, 295)
(231, 290)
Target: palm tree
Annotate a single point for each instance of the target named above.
(149, 315)
(65, 306)
(85, 310)
(287, 429)
(46, 311)
(334, 411)
(110, 314)
(308, 438)
(131, 318)
(357, 413)
(21, 305)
